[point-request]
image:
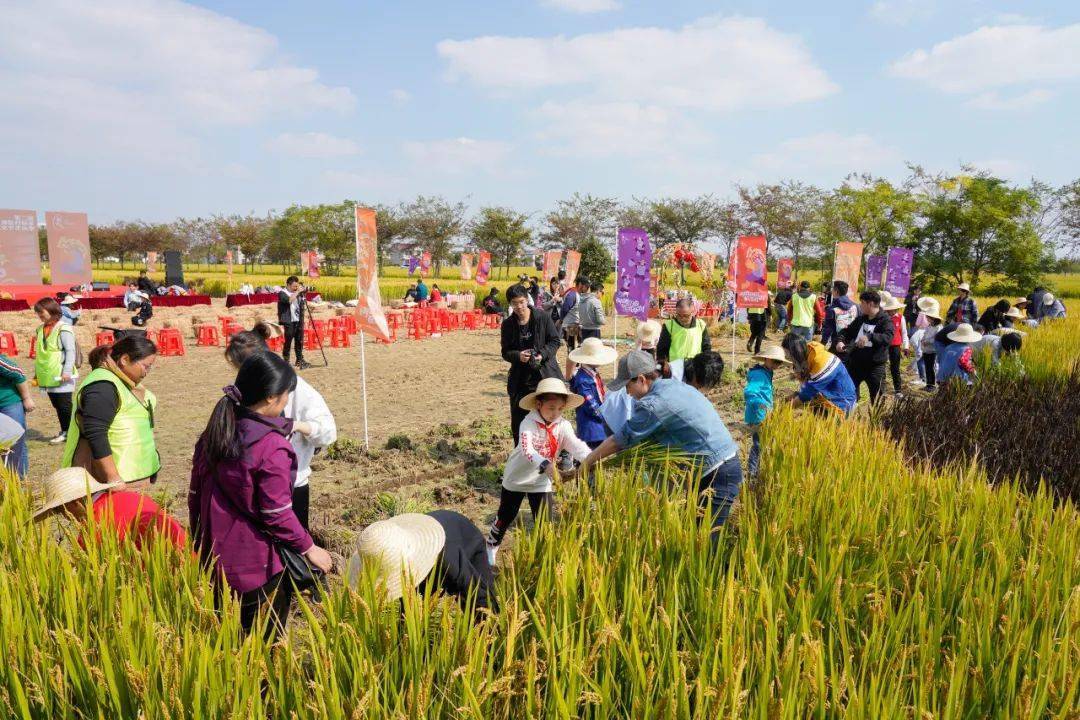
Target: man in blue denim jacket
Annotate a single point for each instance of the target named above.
(674, 414)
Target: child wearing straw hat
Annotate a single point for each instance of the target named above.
(441, 551)
(956, 358)
(893, 308)
(758, 395)
(543, 434)
(130, 514)
(586, 382)
(928, 347)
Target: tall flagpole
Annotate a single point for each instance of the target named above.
(614, 309)
(363, 389)
(735, 304)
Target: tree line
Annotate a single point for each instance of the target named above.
(962, 226)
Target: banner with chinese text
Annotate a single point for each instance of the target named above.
(369, 312)
(785, 269)
(573, 262)
(898, 271)
(551, 265)
(875, 267)
(751, 273)
(632, 273)
(69, 248)
(20, 261)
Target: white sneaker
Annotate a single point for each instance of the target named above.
(918, 383)
(492, 551)
(61, 438)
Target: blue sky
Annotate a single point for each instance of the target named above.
(155, 109)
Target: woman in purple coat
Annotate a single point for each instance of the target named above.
(240, 501)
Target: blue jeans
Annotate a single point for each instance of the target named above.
(806, 333)
(724, 482)
(753, 463)
(781, 317)
(19, 458)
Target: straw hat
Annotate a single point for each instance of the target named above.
(964, 333)
(891, 303)
(934, 312)
(69, 300)
(1014, 313)
(648, 334)
(964, 286)
(1048, 299)
(401, 548)
(68, 484)
(593, 351)
(1021, 301)
(551, 386)
(928, 303)
(773, 352)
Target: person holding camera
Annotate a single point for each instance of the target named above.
(530, 343)
(291, 306)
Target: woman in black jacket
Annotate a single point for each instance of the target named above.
(994, 316)
(530, 343)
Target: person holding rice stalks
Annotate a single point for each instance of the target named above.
(543, 434)
(826, 384)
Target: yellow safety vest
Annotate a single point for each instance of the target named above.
(685, 342)
(49, 363)
(802, 310)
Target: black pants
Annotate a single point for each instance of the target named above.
(542, 504)
(929, 361)
(894, 367)
(294, 333)
(517, 415)
(590, 333)
(61, 402)
(301, 502)
(571, 338)
(873, 374)
(759, 322)
(276, 596)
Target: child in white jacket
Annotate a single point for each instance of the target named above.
(543, 434)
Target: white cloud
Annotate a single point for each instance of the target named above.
(995, 57)
(399, 95)
(312, 145)
(583, 7)
(627, 129)
(902, 12)
(457, 155)
(993, 100)
(829, 150)
(144, 77)
(716, 63)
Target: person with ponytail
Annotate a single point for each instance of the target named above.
(314, 427)
(111, 433)
(240, 502)
(826, 384)
(55, 367)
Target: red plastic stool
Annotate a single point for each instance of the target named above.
(393, 337)
(310, 341)
(493, 321)
(350, 324)
(207, 336)
(393, 320)
(7, 344)
(471, 321)
(105, 337)
(226, 321)
(33, 347)
(170, 343)
(418, 330)
(277, 344)
(231, 328)
(339, 335)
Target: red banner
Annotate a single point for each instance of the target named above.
(369, 312)
(425, 264)
(309, 263)
(483, 268)
(466, 266)
(785, 267)
(751, 273)
(69, 248)
(551, 264)
(573, 262)
(20, 261)
(846, 265)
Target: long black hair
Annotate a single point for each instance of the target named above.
(136, 347)
(243, 345)
(795, 346)
(263, 375)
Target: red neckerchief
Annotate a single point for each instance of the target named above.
(600, 390)
(552, 438)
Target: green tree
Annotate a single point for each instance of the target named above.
(502, 232)
(787, 213)
(435, 224)
(390, 224)
(596, 261)
(871, 211)
(248, 233)
(580, 218)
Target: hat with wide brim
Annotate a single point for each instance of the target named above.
(1048, 299)
(551, 386)
(648, 334)
(69, 300)
(964, 286)
(1014, 313)
(402, 549)
(68, 484)
(933, 313)
(773, 352)
(891, 303)
(1022, 301)
(964, 333)
(593, 351)
(928, 303)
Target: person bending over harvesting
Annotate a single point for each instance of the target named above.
(826, 384)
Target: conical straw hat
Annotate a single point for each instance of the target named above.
(69, 484)
(773, 352)
(404, 547)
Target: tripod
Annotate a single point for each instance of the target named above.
(311, 324)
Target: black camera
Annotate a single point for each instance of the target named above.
(535, 361)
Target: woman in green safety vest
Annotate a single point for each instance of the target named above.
(55, 368)
(112, 428)
(683, 336)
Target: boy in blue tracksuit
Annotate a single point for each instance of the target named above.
(585, 381)
(758, 397)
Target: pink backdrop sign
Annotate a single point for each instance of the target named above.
(69, 248)
(20, 263)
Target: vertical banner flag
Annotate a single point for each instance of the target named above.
(729, 281)
(305, 260)
(708, 264)
(785, 268)
(875, 266)
(466, 266)
(228, 268)
(313, 264)
(369, 312)
(632, 276)
(573, 262)
(151, 262)
(414, 262)
(425, 264)
(483, 268)
(551, 264)
(752, 274)
(846, 265)
(898, 271)
(69, 248)
(20, 259)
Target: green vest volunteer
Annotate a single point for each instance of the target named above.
(128, 438)
(49, 363)
(679, 342)
(802, 310)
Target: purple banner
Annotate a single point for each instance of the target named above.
(414, 262)
(875, 266)
(898, 271)
(632, 275)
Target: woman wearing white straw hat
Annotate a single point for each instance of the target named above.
(899, 345)
(758, 395)
(440, 551)
(587, 382)
(543, 435)
(930, 347)
(963, 308)
(1052, 308)
(647, 336)
(956, 359)
(130, 514)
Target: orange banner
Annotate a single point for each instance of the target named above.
(751, 273)
(369, 312)
(551, 264)
(466, 266)
(20, 261)
(151, 262)
(573, 262)
(846, 265)
(483, 268)
(69, 248)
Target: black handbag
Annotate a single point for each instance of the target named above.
(303, 575)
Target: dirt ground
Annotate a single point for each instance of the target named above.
(441, 402)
